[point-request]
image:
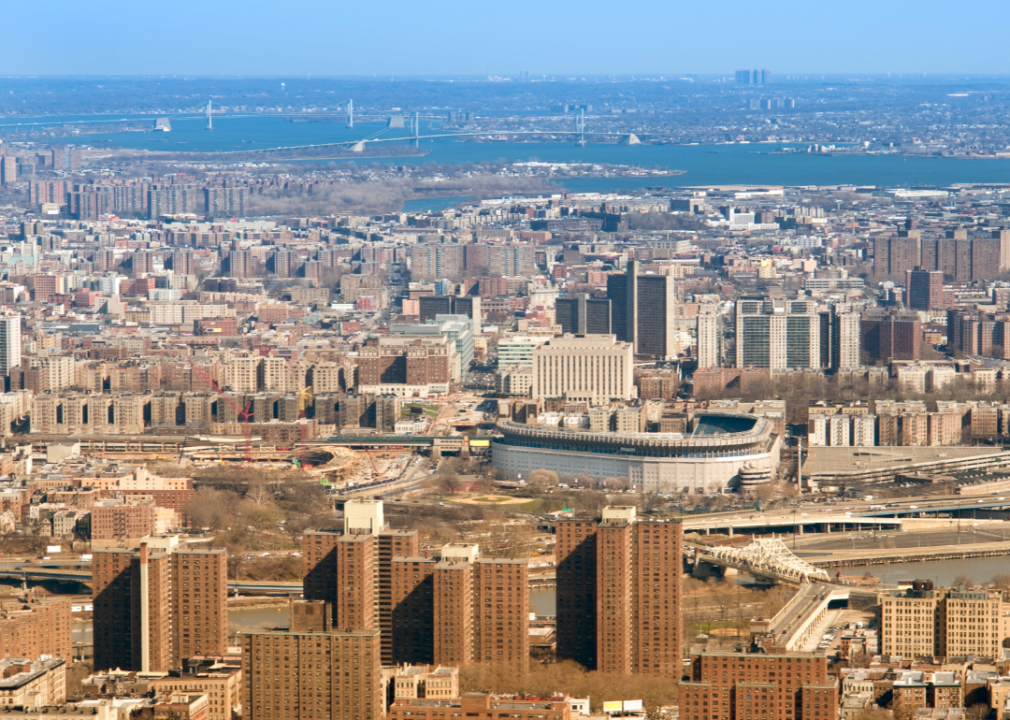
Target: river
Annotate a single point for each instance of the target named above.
(704, 164)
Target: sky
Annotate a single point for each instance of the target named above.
(267, 38)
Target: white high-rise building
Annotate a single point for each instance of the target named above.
(709, 337)
(778, 334)
(10, 343)
(846, 341)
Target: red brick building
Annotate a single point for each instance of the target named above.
(759, 686)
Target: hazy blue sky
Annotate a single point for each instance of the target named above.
(353, 37)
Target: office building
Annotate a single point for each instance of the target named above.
(10, 343)
(778, 334)
(924, 290)
(518, 350)
(760, 686)
(619, 593)
(583, 315)
(431, 306)
(312, 675)
(595, 368)
(643, 311)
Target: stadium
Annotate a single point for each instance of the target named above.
(722, 451)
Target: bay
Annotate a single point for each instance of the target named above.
(704, 164)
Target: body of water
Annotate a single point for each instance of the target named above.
(704, 164)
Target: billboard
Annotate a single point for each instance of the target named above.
(479, 442)
(632, 705)
(613, 706)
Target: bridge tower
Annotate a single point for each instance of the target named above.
(580, 126)
(210, 116)
(350, 114)
(417, 129)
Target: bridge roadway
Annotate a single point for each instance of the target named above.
(85, 577)
(847, 515)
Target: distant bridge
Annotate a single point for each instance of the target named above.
(85, 577)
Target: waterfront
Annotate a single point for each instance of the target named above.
(704, 164)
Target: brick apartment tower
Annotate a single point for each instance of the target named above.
(453, 611)
(153, 607)
(412, 610)
(619, 593)
(199, 603)
(501, 618)
(132, 609)
(313, 675)
(325, 558)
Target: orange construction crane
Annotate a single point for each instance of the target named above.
(243, 415)
(374, 466)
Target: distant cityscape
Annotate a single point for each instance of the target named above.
(470, 402)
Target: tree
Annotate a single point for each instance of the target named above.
(540, 480)
(963, 580)
(1001, 581)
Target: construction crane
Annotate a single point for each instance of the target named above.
(243, 415)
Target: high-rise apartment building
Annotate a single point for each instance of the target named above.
(885, 337)
(619, 593)
(354, 566)
(759, 686)
(183, 262)
(412, 609)
(154, 607)
(643, 311)
(313, 675)
(894, 256)
(924, 290)
(10, 343)
(778, 334)
(709, 346)
(430, 261)
(132, 609)
(501, 621)
(845, 338)
(199, 603)
(453, 605)
(8, 169)
(583, 315)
